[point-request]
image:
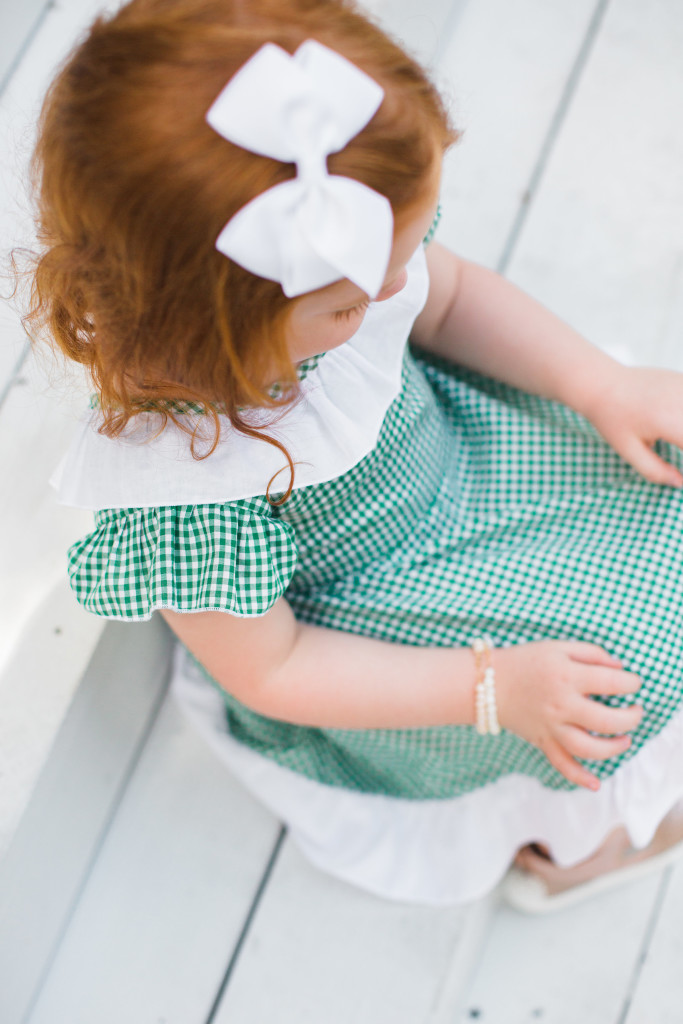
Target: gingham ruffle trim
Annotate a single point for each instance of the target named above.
(234, 558)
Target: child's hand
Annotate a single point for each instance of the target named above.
(635, 408)
(543, 695)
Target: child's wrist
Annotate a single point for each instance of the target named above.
(590, 390)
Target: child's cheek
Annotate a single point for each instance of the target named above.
(321, 334)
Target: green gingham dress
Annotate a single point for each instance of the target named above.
(432, 505)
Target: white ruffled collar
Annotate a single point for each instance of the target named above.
(334, 424)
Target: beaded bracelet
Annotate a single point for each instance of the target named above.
(485, 689)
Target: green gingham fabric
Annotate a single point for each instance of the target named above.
(234, 558)
(482, 509)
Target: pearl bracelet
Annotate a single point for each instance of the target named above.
(485, 689)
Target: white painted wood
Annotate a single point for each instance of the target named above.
(658, 995)
(35, 426)
(36, 689)
(451, 998)
(166, 900)
(569, 967)
(505, 70)
(321, 950)
(422, 29)
(16, 23)
(13, 340)
(602, 245)
(43, 870)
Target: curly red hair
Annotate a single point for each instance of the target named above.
(133, 187)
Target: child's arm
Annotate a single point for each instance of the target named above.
(327, 678)
(322, 677)
(475, 317)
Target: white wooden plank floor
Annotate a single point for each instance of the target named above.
(168, 894)
(192, 906)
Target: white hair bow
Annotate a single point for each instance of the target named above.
(317, 227)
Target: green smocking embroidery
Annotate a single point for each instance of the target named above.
(303, 369)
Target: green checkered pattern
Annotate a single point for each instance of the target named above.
(482, 509)
(184, 557)
(434, 225)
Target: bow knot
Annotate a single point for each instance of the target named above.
(312, 167)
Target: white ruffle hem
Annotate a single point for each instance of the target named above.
(441, 852)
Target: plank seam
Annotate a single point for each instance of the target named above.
(550, 139)
(455, 10)
(645, 945)
(451, 997)
(246, 927)
(25, 46)
(14, 374)
(96, 850)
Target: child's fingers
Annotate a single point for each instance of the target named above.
(597, 717)
(567, 766)
(581, 744)
(590, 714)
(649, 464)
(609, 681)
(591, 654)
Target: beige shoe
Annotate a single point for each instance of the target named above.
(536, 885)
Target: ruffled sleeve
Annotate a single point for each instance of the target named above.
(234, 557)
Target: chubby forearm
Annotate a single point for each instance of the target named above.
(478, 319)
(320, 677)
(337, 680)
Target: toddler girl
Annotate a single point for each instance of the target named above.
(418, 587)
